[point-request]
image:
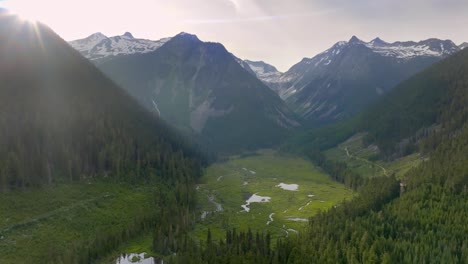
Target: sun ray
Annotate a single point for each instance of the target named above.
(24, 25)
(37, 33)
(23, 9)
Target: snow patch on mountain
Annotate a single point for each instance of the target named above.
(265, 72)
(463, 45)
(98, 46)
(407, 50)
(399, 50)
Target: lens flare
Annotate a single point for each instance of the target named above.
(27, 11)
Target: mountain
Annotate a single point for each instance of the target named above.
(62, 120)
(344, 79)
(98, 46)
(200, 87)
(415, 115)
(463, 45)
(267, 73)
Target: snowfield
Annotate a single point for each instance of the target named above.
(288, 187)
(255, 199)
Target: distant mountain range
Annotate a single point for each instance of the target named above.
(197, 86)
(342, 80)
(330, 86)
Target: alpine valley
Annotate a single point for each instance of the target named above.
(128, 150)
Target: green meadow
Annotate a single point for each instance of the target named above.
(40, 223)
(226, 186)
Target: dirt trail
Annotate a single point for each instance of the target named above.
(366, 161)
(52, 213)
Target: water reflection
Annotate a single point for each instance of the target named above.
(133, 258)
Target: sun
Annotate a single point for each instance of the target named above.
(27, 11)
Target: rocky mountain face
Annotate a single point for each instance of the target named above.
(201, 88)
(340, 81)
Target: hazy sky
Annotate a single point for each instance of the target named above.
(280, 32)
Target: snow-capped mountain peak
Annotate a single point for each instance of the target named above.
(397, 50)
(411, 49)
(265, 72)
(324, 87)
(98, 46)
(463, 45)
(97, 35)
(261, 67)
(90, 41)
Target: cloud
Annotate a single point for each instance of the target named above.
(249, 19)
(233, 3)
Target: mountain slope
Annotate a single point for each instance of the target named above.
(418, 112)
(200, 87)
(350, 75)
(406, 220)
(433, 102)
(62, 120)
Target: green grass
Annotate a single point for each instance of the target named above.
(225, 181)
(363, 159)
(41, 222)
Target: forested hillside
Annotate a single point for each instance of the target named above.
(61, 120)
(83, 167)
(426, 224)
(432, 102)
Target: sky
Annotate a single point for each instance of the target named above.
(279, 32)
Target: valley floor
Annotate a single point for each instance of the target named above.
(266, 192)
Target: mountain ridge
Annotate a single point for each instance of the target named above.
(99, 46)
(342, 80)
(203, 89)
